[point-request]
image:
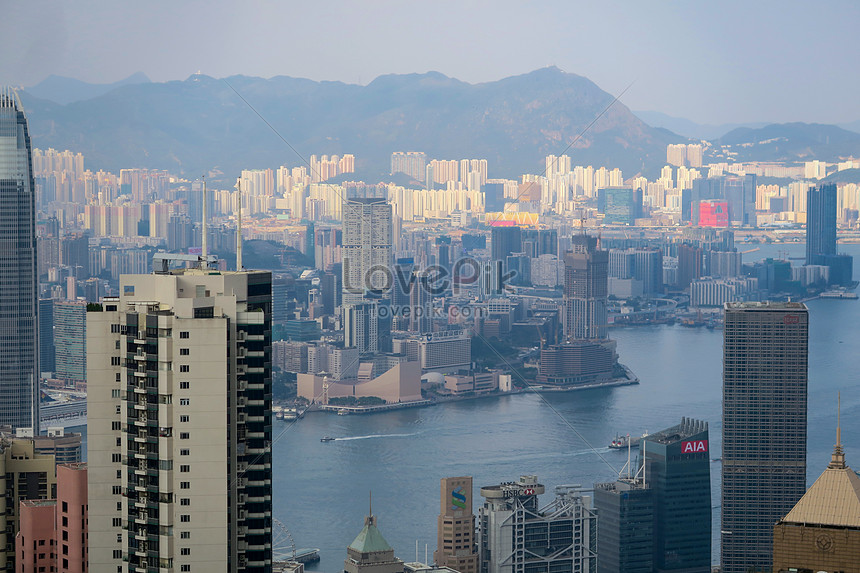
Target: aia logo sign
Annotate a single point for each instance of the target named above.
(790, 319)
(694, 447)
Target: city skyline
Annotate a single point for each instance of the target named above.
(690, 73)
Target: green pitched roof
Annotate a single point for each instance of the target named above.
(370, 540)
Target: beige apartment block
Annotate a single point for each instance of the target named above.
(179, 374)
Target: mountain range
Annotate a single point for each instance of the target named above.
(201, 124)
(220, 126)
(788, 142)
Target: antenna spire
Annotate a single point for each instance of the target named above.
(837, 461)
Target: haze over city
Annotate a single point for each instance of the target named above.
(552, 288)
(712, 63)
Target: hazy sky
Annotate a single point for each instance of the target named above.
(711, 62)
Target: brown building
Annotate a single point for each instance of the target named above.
(35, 541)
(578, 362)
(52, 533)
(822, 532)
(455, 537)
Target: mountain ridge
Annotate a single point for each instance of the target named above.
(193, 125)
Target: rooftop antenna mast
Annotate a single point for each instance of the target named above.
(204, 264)
(239, 233)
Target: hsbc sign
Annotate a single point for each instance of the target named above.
(694, 447)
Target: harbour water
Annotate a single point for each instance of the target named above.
(321, 489)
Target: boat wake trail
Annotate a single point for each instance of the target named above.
(376, 436)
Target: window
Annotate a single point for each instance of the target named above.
(118, 409)
(184, 435)
(118, 377)
(117, 490)
(184, 401)
(184, 452)
(184, 368)
(184, 469)
(117, 553)
(183, 418)
(184, 352)
(119, 441)
(184, 518)
(185, 485)
(65, 507)
(116, 522)
(185, 567)
(117, 345)
(115, 360)
(184, 334)
(115, 426)
(184, 385)
(115, 458)
(118, 507)
(118, 540)
(118, 474)
(185, 501)
(185, 551)
(185, 535)
(114, 393)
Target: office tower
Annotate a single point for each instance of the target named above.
(24, 474)
(504, 242)
(586, 270)
(764, 426)
(619, 205)
(455, 527)
(649, 270)
(19, 316)
(309, 245)
(689, 264)
(179, 427)
(677, 467)
(64, 446)
(46, 334)
(421, 311)
(370, 553)
(820, 223)
(625, 526)
(367, 247)
(70, 342)
(822, 532)
(515, 534)
(404, 282)
(361, 326)
(739, 193)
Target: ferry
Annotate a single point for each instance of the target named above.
(326, 439)
(839, 294)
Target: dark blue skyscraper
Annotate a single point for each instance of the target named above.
(678, 472)
(820, 223)
(19, 349)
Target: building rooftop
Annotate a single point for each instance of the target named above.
(834, 498)
(38, 502)
(766, 305)
(370, 540)
(688, 427)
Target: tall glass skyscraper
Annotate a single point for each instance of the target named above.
(19, 349)
(820, 223)
(764, 427)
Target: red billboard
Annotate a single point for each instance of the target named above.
(694, 446)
